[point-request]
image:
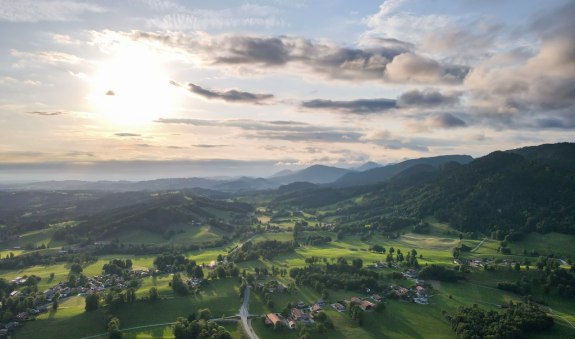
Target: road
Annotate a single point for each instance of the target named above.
(479, 245)
(244, 314)
(242, 244)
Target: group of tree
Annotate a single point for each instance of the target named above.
(341, 275)
(518, 321)
(173, 262)
(266, 249)
(200, 328)
(438, 272)
(118, 267)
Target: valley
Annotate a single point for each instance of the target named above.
(400, 256)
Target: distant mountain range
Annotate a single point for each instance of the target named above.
(556, 155)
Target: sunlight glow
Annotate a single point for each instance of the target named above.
(133, 87)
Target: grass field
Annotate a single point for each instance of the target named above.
(557, 243)
(71, 321)
(399, 320)
(190, 235)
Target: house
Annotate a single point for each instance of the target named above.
(300, 304)
(316, 308)
(272, 319)
(366, 305)
(291, 324)
(377, 298)
(15, 293)
(281, 288)
(355, 300)
(213, 264)
(401, 292)
(420, 290)
(297, 314)
(338, 307)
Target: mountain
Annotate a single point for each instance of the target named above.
(367, 166)
(380, 174)
(316, 174)
(560, 155)
(160, 213)
(502, 193)
(117, 186)
(283, 173)
(245, 184)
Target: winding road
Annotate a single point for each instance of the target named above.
(244, 314)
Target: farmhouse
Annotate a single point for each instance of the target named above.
(338, 307)
(272, 319)
(363, 304)
(299, 315)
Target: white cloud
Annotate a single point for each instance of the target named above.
(46, 10)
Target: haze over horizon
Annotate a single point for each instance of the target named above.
(146, 89)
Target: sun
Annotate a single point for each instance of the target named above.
(133, 87)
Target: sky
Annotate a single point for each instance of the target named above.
(141, 89)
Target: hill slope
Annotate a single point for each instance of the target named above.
(380, 174)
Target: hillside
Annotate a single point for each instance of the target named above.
(380, 174)
(316, 174)
(163, 212)
(501, 191)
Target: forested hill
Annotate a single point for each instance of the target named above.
(165, 210)
(501, 191)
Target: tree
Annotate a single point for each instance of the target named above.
(204, 313)
(55, 304)
(198, 273)
(114, 329)
(76, 268)
(92, 302)
(153, 293)
(178, 285)
(517, 267)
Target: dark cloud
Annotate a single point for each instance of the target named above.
(110, 93)
(360, 106)
(230, 95)
(427, 99)
(447, 120)
(320, 58)
(42, 113)
(176, 147)
(277, 130)
(127, 134)
(413, 68)
(398, 145)
(208, 146)
(309, 136)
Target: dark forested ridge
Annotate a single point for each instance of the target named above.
(501, 191)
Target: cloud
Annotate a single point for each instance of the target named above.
(53, 10)
(47, 57)
(277, 130)
(304, 56)
(538, 91)
(208, 146)
(447, 120)
(360, 106)
(127, 134)
(110, 93)
(412, 68)
(427, 99)
(230, 95)
(43, 113)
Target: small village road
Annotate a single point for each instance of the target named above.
(244, 314)
(479, 245)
